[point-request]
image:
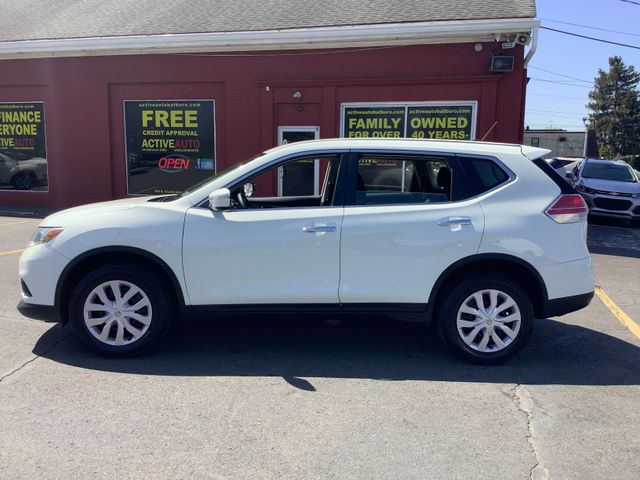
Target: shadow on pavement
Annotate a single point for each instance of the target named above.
(558, 353)
(609, 237)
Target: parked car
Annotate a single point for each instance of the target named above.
(479, 238)
(611, 188)
(564, 165)
(22, 174)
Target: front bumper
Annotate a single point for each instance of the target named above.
(39, 269)
(46, 313)
(615, 206)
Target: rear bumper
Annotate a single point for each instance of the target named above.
(564, 305)
(46, 313)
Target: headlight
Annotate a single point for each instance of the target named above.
(44, 235)
(582, 188)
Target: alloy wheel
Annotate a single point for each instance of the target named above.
(117, 313)
(488, 321)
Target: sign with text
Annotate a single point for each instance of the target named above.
(438, 122)
(455, 120)
(380, 122)
(23, 155)
(170, 144)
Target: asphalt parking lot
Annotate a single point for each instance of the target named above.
(275, 398)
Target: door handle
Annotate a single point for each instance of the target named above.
(452, 221)
(319, 228)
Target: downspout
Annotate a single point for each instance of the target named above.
(534, 45)
(527, 59)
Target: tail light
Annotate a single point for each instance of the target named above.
(568, 209)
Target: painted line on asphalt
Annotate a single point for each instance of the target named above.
(13, 223)
(11, 252)
(617, 311)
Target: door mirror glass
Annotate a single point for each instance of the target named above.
(220, 199)
(569, 176)
(248, 189)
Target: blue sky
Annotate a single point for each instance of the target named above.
(563, 106)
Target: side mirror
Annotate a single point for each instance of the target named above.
(569, 176)
(220, 199)
(248, 189)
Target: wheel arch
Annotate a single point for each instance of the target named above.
(522, 272)
(98, 257)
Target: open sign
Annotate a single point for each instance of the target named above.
(173, 164)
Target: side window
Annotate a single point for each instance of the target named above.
(261, 190)
(483, 175)
(393, 179)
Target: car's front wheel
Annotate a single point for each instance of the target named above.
(119, 310)
(486, 319)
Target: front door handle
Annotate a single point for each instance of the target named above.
(324, 228)
(453, 221)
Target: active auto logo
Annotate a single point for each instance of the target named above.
(173, 163)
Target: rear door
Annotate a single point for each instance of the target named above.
(403, 226)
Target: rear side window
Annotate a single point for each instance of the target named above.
(391, 179)
(482, 174)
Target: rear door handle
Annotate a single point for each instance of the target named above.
(452, 221)
(320, 228)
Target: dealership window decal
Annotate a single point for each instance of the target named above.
(170, 144)
(454, 120)
(23, 151)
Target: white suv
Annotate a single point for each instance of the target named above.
(480, 238)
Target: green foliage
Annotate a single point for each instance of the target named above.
(615, 110)
(633, 160)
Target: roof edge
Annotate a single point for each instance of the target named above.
(392, 34)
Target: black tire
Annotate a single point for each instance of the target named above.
(23, 181)
(448, 316)
(150, 286)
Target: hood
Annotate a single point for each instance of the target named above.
(611, 185)
(61, 218)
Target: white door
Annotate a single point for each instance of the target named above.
(273, 251)
(403, 230)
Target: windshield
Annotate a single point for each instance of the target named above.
(193, 188)
(609, 171)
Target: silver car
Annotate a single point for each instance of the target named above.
(611, 188)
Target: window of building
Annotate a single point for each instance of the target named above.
(23, 152)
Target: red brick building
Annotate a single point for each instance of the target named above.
(100, 100)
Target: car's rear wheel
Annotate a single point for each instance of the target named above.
(119, 310)
(486, 319)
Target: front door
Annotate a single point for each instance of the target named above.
(267, 250)
(300, 178)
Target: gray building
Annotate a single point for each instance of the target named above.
(562, 143)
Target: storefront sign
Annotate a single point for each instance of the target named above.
(170, 144)
(374, 121)
(455, 120)
(23, 155)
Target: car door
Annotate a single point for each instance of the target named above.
(402, 227)
(279, 250)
